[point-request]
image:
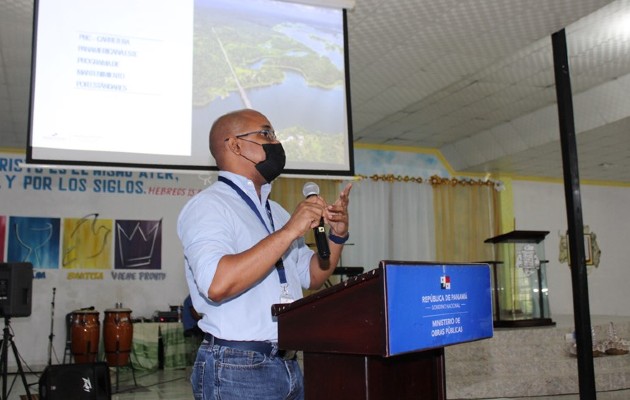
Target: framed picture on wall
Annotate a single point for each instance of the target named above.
(588, 249)
(591, 249)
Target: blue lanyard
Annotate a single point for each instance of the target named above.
(250, 203)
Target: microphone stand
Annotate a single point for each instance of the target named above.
(52, 335)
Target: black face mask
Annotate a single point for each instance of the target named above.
(273, 164)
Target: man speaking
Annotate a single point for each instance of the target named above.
(243, 253)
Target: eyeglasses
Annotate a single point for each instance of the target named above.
(268, 134)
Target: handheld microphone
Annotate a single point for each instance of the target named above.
(311, 189)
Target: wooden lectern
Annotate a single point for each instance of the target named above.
(375, 336)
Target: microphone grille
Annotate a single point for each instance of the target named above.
(310, 188)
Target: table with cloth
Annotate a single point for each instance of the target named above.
(178, 351)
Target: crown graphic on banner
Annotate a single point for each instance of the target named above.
(137, 246)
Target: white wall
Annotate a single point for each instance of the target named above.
(541, 206)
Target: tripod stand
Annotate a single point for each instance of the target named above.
(52, 330)
(7, 339)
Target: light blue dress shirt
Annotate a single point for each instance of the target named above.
(216, 222)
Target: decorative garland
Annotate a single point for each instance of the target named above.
(436, 180)
(392, 178)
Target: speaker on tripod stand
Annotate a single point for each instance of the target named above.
(16, 287)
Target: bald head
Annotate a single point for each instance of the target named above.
(226, 126)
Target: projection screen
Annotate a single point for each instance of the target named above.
(138, 83)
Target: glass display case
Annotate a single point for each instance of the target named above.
(519, 280)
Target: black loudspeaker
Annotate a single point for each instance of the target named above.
(16, 284)
(76, 381)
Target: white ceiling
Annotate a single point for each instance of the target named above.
(472, 78)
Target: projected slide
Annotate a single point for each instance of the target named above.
(139, 82)
(115, 87)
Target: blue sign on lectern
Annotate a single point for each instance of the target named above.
(435, 305)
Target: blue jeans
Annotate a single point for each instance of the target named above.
(224, 373)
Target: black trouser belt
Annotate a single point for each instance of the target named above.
(265, 348)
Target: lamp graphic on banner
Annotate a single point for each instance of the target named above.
(138, 243)
(34, 241)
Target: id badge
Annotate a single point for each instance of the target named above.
(285, 296)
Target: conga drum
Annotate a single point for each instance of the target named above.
(85, 336)
(117, 335)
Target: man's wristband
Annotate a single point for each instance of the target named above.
(338, 239)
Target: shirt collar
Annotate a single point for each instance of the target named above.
(248, 186)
